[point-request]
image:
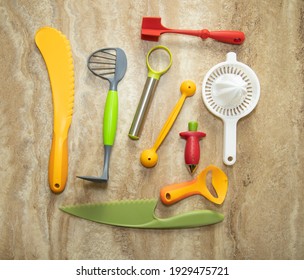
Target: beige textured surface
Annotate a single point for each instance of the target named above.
(264, 206)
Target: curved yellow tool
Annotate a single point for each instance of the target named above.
(149, 158)
(56, 51)
(176, 192)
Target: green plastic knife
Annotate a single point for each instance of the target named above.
(141, 214)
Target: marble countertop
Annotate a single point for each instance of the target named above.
(263, 209)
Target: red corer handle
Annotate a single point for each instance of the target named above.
(192, 149)
(226, 36)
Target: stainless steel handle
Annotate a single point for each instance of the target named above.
(143, 107)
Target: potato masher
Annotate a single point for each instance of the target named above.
(109, 64)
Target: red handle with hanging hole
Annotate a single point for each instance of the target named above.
(226, 36)
(152, 28)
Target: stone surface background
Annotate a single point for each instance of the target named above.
(264, 205)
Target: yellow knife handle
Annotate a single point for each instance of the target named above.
(58, 164)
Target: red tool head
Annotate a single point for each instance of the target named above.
(151, 28)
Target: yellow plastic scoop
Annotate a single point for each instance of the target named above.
(149, 158)
(176, 192)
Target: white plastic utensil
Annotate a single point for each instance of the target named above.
(231, 90)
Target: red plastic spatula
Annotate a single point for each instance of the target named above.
(152, 28)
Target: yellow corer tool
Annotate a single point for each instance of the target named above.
(56, 52)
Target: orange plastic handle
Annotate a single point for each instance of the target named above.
(58, 164)
(176, 192)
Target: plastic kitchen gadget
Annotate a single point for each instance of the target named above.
(149, 158)
(192, 148)
(174, 193)
(230, 90)
(56, 52)
(148, 92)
(109, 64)
(152, 28)
(141, 214)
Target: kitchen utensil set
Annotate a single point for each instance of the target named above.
(230, 91)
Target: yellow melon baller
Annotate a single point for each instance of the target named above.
(149, 157)
(56, 51)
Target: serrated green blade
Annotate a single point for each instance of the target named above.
(140, 214)
(128, 213)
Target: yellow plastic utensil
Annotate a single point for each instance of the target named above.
(56, 51)
(149, 158)
(176, 192)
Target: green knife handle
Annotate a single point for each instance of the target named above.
(110, 118)
(187, 220)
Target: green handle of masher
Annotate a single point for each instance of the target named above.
(110, 118)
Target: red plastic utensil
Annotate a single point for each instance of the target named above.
(152, 28)
(192, 148)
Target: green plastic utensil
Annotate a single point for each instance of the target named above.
(141, 214)
(109, 64)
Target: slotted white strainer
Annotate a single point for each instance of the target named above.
(231, 90)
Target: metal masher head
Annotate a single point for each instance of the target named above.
(109, 64)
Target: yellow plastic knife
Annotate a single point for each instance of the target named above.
(56, 52)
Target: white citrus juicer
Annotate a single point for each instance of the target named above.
(231, 90)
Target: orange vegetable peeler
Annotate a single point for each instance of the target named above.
(176, 192)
